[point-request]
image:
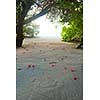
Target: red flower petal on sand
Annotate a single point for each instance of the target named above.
(53, 65)
(29, 65)
(72, 70)
(33, 65)
(75, 78)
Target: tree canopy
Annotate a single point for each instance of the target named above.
(70, 11)
(38, 7)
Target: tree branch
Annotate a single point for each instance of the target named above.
(43, 12)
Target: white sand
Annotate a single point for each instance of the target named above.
(45, 82)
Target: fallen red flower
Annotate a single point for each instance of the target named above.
(29, 66)
(75, 78)
(72, 69)
(53, 65)
(33, 65)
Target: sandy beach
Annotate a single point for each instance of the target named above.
(49, 69)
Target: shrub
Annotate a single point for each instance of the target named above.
(72, 33)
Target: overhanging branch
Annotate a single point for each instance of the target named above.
(43, 12)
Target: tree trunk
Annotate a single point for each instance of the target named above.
(19, 30)
(19, 40)
(20, 36)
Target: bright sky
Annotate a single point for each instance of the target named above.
(47, 28)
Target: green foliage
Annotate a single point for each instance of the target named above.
(71, 12)
(72, 32)
(31, 30)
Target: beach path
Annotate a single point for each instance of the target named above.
(48, 69)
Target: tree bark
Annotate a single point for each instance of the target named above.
(20, 36)
(19, 32)
(19, 40)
